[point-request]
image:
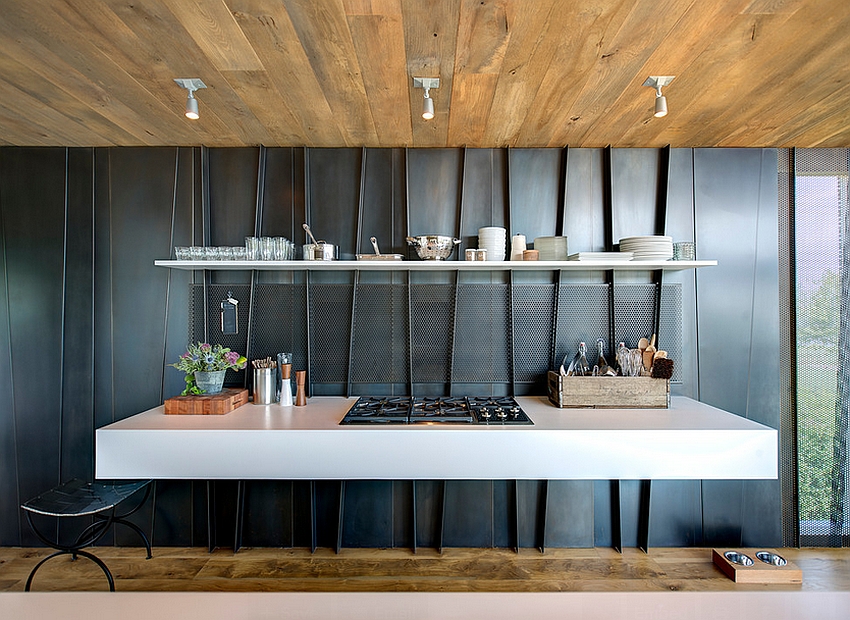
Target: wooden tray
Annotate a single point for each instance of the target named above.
(608, 392)
(213, 404)
(759, 572)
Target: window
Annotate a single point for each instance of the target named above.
(822, 267)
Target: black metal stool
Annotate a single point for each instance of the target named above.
(76, 498)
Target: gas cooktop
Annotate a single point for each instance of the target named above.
(488, 410)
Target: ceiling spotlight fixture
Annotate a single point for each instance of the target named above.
(428, 104)
(191, 84)
(656, 82)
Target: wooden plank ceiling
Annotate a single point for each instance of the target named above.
(520, 73)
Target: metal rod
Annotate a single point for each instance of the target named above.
(259, 208)
(307, 278)
(340, 524)
(512, 370)
(616, 518)
(360, 200)
(643, 515)
(542, 516)
(205, 231)
(313, 533)
(409, 278)
(415, 528)
(561, 221)
(351, 332)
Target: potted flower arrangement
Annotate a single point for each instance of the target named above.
(205, 366)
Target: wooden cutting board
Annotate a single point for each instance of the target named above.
(207, 404)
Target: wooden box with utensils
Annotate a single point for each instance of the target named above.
(207, 404)
(608, 392)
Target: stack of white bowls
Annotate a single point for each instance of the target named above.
(494, 239)
(551, 248)
(650, 247)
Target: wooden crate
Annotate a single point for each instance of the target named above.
(759, 572)
(207, 404)
(608, 392)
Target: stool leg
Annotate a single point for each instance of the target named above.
(76, 552)
(138, 531)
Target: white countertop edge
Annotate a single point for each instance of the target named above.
(689, 441)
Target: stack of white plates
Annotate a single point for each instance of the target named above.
(493, 239)
(601, 257)
(651, 247)
(551, 248)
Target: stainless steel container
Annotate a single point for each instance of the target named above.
(265, 383)
(433, 247)
(319, 251)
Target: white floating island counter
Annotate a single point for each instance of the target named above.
(690, 440)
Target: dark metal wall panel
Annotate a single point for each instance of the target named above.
(570, 514)
(733, 299)
(10, 514)
(484, 200)
(148, 200)
(635, 191)
(534, 192)
(77, 429)
(680, 225)
(383, 205)
(142, 187)
(434, 183)
(583, 221)
(32, 187)
(368, 514)
(334, 197)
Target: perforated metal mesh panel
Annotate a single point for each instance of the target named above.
(787, 397)
(330, 332)
(380, 343)
(236, 342)
(432, 311)
(533, 314)
(582, 317)
(482, 352)
(376, 343)
(822, 230)
(279, 322)
(670, 329)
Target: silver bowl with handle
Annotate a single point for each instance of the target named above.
(433, 247)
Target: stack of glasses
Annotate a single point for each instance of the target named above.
(269, 248)
(494, 240)
(197, 252)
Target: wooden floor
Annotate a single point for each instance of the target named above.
(399, 570)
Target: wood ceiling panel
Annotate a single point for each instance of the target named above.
(339, 72)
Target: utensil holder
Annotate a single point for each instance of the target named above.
(264, 386)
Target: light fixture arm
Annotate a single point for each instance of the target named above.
(191, 85)
(427, 104)
(656, 82)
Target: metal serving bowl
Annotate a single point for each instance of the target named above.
(433, 247)
(739, 558)
(773, 559)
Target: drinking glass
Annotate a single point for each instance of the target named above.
(252, 248)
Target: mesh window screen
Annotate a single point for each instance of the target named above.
(822, 263)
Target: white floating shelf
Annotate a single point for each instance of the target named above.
(420, 265)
